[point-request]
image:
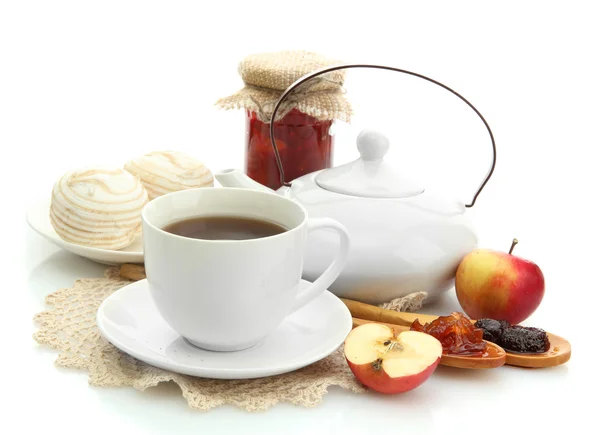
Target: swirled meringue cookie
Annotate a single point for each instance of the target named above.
(99, 207)
(163, 172)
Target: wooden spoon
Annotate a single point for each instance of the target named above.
(361, 310)
(493, 357)
(559, 352)
(133, 272)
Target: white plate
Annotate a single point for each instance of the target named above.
(38, 218)
(130, 321)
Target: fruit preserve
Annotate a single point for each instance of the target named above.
(304, 144)
(456, 333)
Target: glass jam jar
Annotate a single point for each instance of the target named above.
(304, 143)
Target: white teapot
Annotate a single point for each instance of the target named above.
(404, 238)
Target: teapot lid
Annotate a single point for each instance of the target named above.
(369, 176)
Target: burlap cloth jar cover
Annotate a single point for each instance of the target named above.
(69, 326)
(267, 75)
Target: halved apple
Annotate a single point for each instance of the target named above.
(391, 364)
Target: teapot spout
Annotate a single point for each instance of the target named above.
(236, 178)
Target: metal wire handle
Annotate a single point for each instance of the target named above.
(345, 66)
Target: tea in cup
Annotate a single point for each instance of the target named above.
(224, 265)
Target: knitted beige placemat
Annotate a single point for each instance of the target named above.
(69, 326)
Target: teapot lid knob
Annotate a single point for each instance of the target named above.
(372, 145)
(369, 176)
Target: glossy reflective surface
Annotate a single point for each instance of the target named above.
(399, 246)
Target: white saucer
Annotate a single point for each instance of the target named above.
(130, 321)
(38, 218)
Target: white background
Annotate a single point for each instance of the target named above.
(86, 82)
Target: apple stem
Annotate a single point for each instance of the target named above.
(514, 243)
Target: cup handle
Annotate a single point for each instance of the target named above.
(335, 268)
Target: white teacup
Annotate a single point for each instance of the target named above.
(227, 295)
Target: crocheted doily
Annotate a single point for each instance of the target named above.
(69, 326)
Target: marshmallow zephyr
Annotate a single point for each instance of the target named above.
(99, 207)
(162, 172)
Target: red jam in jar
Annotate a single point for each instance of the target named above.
(303, 142)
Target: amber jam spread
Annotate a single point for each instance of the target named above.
(304, 144)
(456, 333)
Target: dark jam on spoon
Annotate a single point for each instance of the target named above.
(514, 338)
(456, 333)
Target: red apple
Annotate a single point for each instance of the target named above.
(391, 364)
(499, 285)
